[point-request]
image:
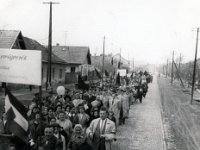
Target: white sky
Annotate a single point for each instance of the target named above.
(146, 30)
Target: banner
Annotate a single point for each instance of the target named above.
(122, 72)
(20, 66)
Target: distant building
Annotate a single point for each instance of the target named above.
(78, 57)
(110, 62)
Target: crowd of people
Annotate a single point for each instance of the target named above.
(81, 120)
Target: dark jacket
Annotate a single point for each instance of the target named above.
(51, 144)
(36, 130)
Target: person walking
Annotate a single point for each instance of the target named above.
(102, 131)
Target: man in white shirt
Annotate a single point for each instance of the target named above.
(102, 131)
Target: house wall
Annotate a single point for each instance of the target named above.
(71, 74)
(68, 77)
(68, 68)
(57, 73)
(71, 78)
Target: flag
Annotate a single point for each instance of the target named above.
(112, 61)
(131, 76)
(106, 73)
(16, 114)
(118, 80)
(89, 58)
(97, 73)
(81, 84)
(119, 65)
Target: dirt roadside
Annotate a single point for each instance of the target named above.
(181, 120)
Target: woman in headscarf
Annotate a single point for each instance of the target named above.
(78, 139)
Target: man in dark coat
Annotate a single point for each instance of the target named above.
(48, 141)
(37, 127)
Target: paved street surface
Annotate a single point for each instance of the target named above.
(143, 130)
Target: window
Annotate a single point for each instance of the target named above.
(60, 73)
(73, 69)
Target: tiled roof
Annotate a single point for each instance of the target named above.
(73, 54)
(8, 38)
(34, 45)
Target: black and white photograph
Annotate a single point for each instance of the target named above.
(99, 75)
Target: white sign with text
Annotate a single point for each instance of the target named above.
(122, 72)
(20, 66)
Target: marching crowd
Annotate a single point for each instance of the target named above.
(80, 120)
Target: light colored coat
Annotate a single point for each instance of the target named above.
(116, 107)
(83, 120)
(109, 134)
(125, 105)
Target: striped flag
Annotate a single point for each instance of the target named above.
(16, 114)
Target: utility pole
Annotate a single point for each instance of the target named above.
(120, 59)
(194, 69)
(172, 73)
(167, 69)
(48, 81)
(104, 38)
(179, 64)
(133, 64)
(163, 69)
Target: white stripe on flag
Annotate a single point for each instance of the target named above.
(19, 119)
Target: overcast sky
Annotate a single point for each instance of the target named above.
(146, 30)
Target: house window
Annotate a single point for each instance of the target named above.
(53, 73)
(60, 73)
(73, 69)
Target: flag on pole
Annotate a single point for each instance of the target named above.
(97, 73)
(16, 114)
(112, 61)
(81, 84)
(131, 75)
(106, 73)
(119, 65)
(118, 80)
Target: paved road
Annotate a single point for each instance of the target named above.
(143, 130)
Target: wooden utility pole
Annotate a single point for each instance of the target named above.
(194, 69)
(163, 69)
(172, 73)
(120, 59)
(179, 64)
(48, 81)
(104, 38)
(167, 69)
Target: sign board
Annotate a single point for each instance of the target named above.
(122, 72)
(20, 66)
